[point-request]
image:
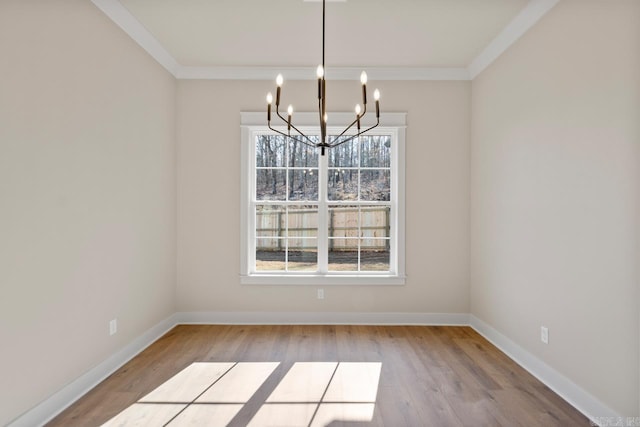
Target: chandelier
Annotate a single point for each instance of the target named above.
(325, 140)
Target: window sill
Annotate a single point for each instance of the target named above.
(328, 279)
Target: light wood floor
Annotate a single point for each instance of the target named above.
(428, 376)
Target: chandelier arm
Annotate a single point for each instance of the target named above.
(292, 126)
(354, 136)
(347, 128)
(302, 135)
(280, 115)
(364, 110)
(359, 117)
(310, 144)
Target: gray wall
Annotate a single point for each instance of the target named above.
(87, 195)
(437, 198)
(555, 182)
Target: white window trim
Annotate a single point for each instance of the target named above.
(252, 123)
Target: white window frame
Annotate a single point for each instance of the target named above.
(253, 124)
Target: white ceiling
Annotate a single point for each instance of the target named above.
(429, 39)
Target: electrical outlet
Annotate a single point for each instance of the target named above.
(320, 293)
(544, 334)
(113, 326)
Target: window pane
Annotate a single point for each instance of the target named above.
(374, 255)
(270, 221)
(302, 221)
(342, 184)
(343, 238)
(346, 250)
(270, 184)
(270, 254)
(374, 245)
(345, 155)
(270, 151)
(375, 185)
(303, 255)
(302, 155)
(303, 184)
(343, 222)
(276, 252)
(375, 221)
(375, 151)
(343, 254)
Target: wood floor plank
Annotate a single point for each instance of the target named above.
(440, 376)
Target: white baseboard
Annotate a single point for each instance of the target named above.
(322, 318)
(580, 399)
(58, 402)
(576, 396)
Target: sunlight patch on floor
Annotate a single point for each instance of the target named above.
(206, 415)
(284, 415)
(354, 382)
(354, 412)
(212, 394)
(239, 384)
(305, 382)
(144, 414)
(187, 384)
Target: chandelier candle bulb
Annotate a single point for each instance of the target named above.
(363, 80)
(376, 96)
(290, 113)
(279, 81)
(269, 101)
(320, 74)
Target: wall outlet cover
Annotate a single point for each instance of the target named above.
(544, 334)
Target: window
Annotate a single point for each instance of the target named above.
(312, 219)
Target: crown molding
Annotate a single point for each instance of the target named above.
(309, 73)
(532, 12)
(121, 16)
(130, 25)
